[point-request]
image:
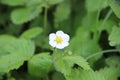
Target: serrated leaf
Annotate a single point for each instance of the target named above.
(10, 62)
(84, 75)
(100, 5)
(115, 5)
(83, 45)
(62, 66)
(21, 46)
(22, 15)
(14, 2)
(40, 65)
(5, 39)
(113, 61)
(77, 60)
(18, 51)
(114, 37)
(31, 33)
(62, 12)
(110, 73)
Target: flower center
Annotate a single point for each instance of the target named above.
(58, 39)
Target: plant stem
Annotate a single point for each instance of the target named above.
(106, 18)
(45, 19)
(96, 37)
(105, 51)
(97, 18)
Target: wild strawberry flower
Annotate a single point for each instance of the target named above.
(59, 39)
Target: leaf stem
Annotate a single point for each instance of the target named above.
(106, 18)
(96, 37)
(97, 18)
(105, 51)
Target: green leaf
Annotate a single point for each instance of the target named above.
(22, 15)
(100, 4)
(34, 2)
(110, 73)
(40, 65)
(5, 39)
(89, 19)
(83, 44)
(43, 3)
(113, 61)
(84, 75)
(71, 60)
(115, 5)
(10, 62)
(62, 12)
(57, 76)
(31, 33)
(14, 2)
(54, 1)
(21, 46)
(18, 51)
(62, 66)
(114, 37)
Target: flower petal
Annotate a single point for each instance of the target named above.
(59, 33)
(65, 44)
(66, 37)
(52, 43)
(59, 46)
(52, 36)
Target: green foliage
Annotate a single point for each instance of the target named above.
(85, 75)
(22, 15)
(31, 33)
(65, 64)
(14, 53)
(77, 60)
(5, 39)
(100, 4)
(54, 1)
(114, 37)
(62, 66)
(113, 61)
(115, 5)
(62, 14)
(14, 2)
(25, 26)
(40, 65)
(57, 76)
(111, 73)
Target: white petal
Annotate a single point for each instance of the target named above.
(59, 46)
(59, 33)
(65, 44)
(66, 37)
(52, 43)
(52, 36)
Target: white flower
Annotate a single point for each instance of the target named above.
(59, 40)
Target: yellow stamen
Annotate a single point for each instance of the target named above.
(58, 39)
